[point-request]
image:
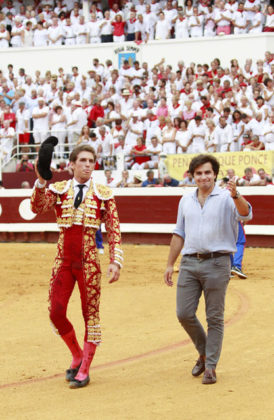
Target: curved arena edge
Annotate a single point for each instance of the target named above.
(147, 216)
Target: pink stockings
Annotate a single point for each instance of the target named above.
(88, 354)
(78, 355)
(76, 351)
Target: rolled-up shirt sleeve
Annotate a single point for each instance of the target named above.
(239, 217)
(180, 224)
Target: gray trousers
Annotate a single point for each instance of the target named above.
(210, 276)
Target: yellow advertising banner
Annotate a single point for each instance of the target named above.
(177, 165)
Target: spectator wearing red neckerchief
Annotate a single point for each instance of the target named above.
(269, 23)
(240, 20)
(131, 26)
(249, 7)
(223, 18)
(206, 104)
(257, 22)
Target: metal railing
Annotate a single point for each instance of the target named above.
(114, 162)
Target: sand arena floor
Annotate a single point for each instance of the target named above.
(142, 369)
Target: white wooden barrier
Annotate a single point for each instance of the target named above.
(198, 50)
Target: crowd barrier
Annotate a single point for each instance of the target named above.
(197, 50)
(147, 215)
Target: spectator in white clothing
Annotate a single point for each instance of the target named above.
(162, 28)
(40, 37)
(223, 19)
(81, 31)
(106, 28)
(78, 120)
(55, 33)
(69, 34)
(22, 126)
(6, 141)
(94, 30)
(40, 115)
(153, 151)
(150, 20)
(240, 20)
(28, 35)
(256, 25)
(4, 36)
(57, 124)
(195, 23)
(141, 29)
(209, 25)
(181, 26)
(197, 130)
(17, 33)
(223, 135)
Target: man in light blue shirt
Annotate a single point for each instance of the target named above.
(206, 234)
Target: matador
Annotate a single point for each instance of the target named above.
(80, 206)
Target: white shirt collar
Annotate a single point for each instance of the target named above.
(87, 183)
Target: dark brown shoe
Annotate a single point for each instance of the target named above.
(209, 377)
(199, 367)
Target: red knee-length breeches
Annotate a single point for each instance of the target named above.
(72, 264)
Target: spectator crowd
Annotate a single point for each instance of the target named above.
(141, 111)
(250, 178)
(49, 22)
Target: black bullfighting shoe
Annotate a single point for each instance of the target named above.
(79, 384)
(71, 373)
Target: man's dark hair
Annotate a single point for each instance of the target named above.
(82, 148)
(200, 160)
(218, 61)
(266, 80)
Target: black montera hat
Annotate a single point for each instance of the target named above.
(45, 156)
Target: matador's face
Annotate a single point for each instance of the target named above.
(83, 166)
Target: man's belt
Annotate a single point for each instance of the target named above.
(206, 256)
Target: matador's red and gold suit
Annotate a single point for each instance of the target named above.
(77, 258)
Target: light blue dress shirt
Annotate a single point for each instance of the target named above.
(211, 228)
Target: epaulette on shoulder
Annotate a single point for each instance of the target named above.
(60, 187)
(103, 192)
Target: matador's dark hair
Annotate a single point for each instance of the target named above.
(82, 148)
